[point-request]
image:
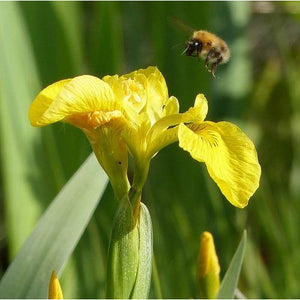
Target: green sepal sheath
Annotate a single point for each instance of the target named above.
(143, 278)
(130, 253)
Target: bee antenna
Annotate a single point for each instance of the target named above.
(184, 51)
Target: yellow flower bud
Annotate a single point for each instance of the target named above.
(55, 291)
(208, 268)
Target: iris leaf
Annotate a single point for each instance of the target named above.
(56, 234)
(18, 84)
(230, 280)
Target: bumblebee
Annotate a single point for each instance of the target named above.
(209, 47)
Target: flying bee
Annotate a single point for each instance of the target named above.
(209, 47)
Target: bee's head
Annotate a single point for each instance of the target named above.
(193, 47)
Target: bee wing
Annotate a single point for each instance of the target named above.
(180, 25)
(178, 45)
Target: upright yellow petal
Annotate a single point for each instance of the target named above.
(55, 291)
(229, 155)
(200, 108)
(116, 85)
(155, 90)
(154, 83)
(164, 131)
(129, 93)
(171, 107)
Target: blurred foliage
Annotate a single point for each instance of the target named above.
(258, 90)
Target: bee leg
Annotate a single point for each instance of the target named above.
(207, 61)
(215, 64)
(211, 54)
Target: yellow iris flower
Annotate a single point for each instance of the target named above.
(133, 114)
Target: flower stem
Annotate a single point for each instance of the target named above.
(139, 178)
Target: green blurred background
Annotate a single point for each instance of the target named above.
(259, 90)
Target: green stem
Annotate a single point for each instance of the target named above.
(120, 187)
(155, 278)
(139, 178)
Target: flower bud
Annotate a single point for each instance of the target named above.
(55, 291)
(208, 268)
(130, 253)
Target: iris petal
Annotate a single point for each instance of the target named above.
(155, 88)
(160, 136)
(162, 140)
(82, 94)
(171, 107)
(229, 155)
(42, 102)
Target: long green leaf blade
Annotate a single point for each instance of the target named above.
(19, 83)
(56, 234)
(230, 280)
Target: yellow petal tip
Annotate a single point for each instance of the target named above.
(208, 267)
(55, 291)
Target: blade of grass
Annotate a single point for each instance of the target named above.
(18, 84)
(156, 280)
(106, 38)
(56, 234)
(230, 280)
(69, 15)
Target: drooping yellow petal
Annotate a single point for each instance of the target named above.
(44, 99)
(82, 94)
(229, 155)
(208, 269)
(55, 291)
